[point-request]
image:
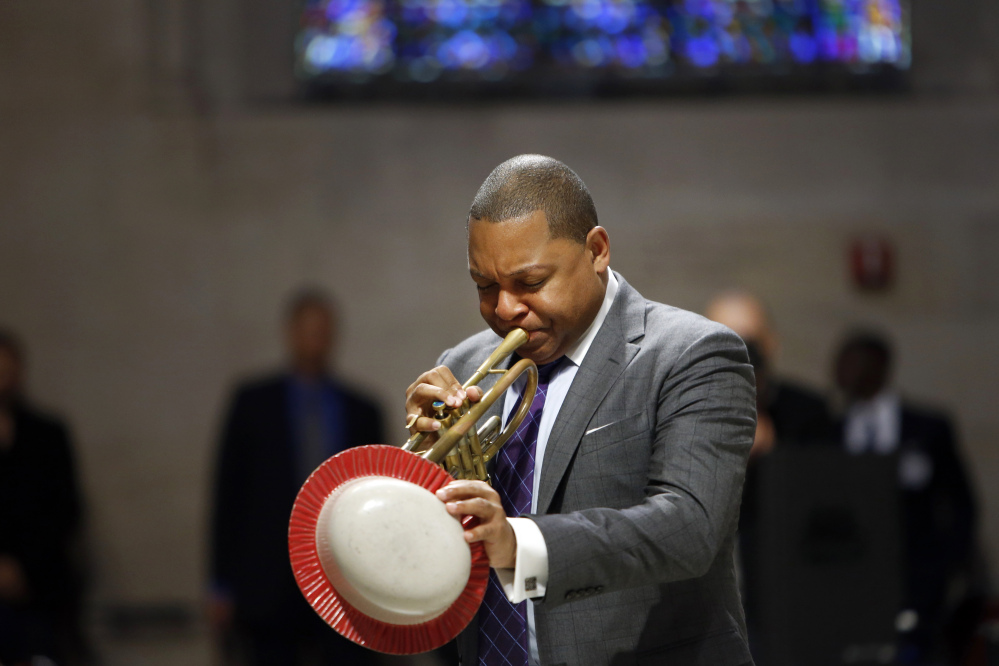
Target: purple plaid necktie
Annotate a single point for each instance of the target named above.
(503, 637)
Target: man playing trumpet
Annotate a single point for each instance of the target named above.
(613, 508)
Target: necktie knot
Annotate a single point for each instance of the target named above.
(546, 371)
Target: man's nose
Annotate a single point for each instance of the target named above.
(509, 307)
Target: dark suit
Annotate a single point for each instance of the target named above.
(39, 517)
(639, 493)
(257, 481)
(938, 517)
(800, 415)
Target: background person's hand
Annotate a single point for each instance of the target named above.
(220, 613)
(766, 436)
(477, 498)
(13, 582)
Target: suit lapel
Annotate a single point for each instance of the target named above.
(611, 352)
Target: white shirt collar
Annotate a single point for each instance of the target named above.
(874, 425)
(577, 352)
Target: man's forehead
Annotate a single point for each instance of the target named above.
(524, 235)
(515, 216)
(535, 222)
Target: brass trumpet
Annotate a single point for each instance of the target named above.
(363, 514)
(461, 450)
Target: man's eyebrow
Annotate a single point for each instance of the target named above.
(528, 269)
(519, 271)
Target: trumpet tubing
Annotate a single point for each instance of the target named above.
(462, 450)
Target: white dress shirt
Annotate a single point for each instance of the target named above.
(530, 577)
(874, 426)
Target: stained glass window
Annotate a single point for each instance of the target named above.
(495, 40)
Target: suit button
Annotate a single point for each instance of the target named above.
(570, 595)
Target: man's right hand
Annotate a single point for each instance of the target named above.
(436, 384)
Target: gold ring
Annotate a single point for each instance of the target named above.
(411, 420)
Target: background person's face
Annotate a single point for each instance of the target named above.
(550, 288)
(860, 374)
(310, 338)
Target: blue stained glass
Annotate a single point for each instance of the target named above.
(425, 40)
(804, 48)
(702, 51)
(614, 17)
(631, 52)
(451, 13)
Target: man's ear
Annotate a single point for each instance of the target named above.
(598, 247)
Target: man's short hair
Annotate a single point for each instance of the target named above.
(307, 298)
(528, 183)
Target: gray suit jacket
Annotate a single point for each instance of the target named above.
(639, 494)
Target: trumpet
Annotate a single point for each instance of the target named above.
(461, 450)
(366, 525)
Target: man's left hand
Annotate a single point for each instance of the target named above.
(476, 498)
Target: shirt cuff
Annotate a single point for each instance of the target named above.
(530, 576)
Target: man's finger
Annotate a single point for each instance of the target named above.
(487, 533)
(477, 506)
(436, 384)
(443, 377)
(422, 396)
(457, 490)
(424, 424)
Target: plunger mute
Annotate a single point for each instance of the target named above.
(372, 548)
(378, 556)
(392, 550)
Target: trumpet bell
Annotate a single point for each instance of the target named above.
(378, 557)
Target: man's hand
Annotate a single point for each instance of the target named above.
(436, 384)
(476, 498)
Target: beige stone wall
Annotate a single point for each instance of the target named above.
(146, 245)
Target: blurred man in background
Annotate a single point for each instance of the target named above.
(40, 586)
(938, 510)
(787, 414)
(278, 430)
